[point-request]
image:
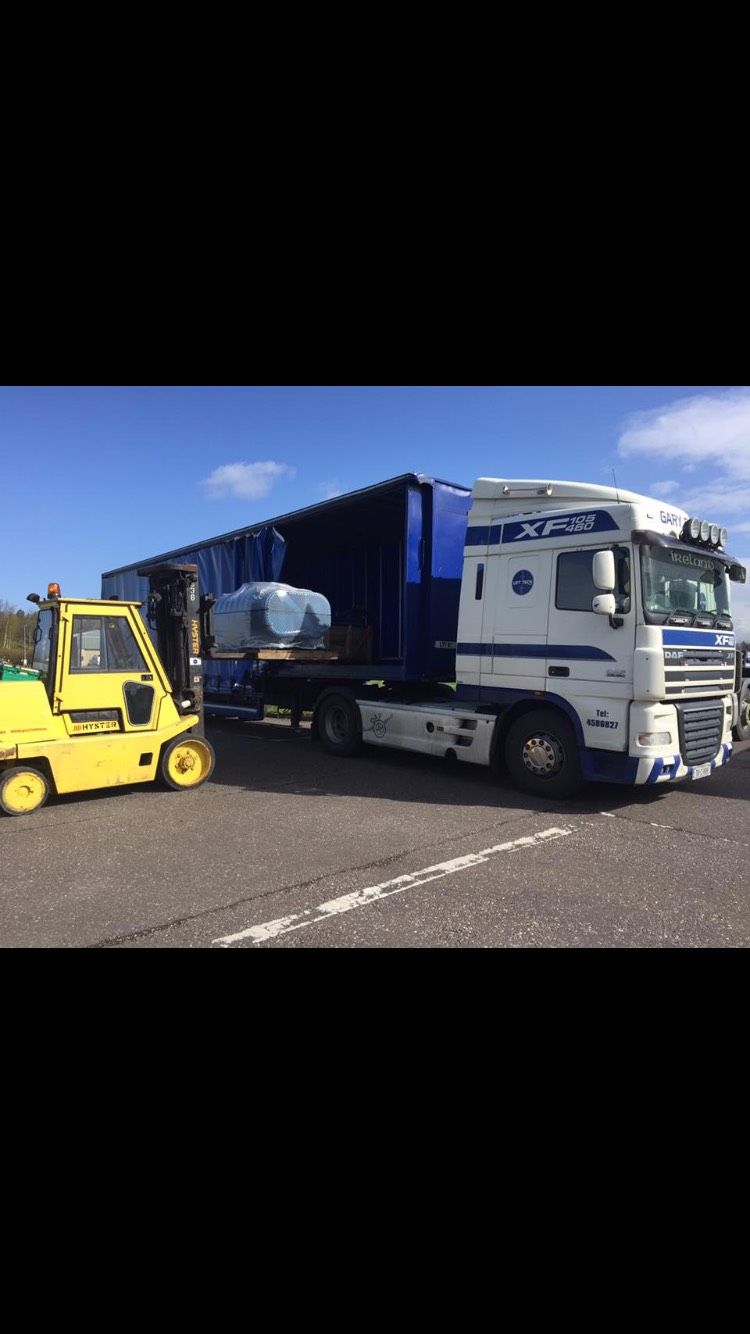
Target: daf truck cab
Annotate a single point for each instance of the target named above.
(595, 642)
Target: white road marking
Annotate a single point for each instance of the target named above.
(359, 898)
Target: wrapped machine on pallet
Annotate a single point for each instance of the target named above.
(267, 615)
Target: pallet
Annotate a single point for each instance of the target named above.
(271, 655)
(348, 643)
(293, 655)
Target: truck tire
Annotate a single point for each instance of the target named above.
(186, 762)
(339, 725)
(541, 753)
(23, 790)
(742, 726)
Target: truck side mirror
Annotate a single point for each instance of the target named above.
(604, 604)
(603, 571)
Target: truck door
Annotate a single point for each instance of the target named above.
(587, 658)
(514, 627)
(107, 684)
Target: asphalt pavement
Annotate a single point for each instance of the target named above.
(288, 847)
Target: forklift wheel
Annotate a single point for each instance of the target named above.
(22, 790)
(186, 762)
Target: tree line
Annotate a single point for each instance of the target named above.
(16, 632)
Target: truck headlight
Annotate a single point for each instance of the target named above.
(654, 738)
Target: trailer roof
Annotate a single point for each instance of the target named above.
(323, 507)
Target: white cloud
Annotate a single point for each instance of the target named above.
(712, 431)
(328, 490)
(717, 503)
(247, 481)
(709, 428)
(663, 488)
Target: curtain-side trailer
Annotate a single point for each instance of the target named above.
(388, 558)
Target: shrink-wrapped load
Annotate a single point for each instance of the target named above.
(271, 616)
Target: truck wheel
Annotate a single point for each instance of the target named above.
(186, 762)
(339, 725)
(742, 726)
(541, 753)
(22, 790)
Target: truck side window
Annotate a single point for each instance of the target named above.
(575, 585)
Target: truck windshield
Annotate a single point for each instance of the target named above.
(683, 581)
(42, 642)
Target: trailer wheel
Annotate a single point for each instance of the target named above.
(339, 725)
(186, 762)
(541, 753)
(742, 726)
(22, 790)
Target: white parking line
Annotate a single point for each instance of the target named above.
(359, 898)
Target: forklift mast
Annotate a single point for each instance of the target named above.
(173, 611)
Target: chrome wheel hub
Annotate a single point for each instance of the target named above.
(542, 755)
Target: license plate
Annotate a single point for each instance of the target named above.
(701, 771)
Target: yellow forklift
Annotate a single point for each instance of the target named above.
(100, 706)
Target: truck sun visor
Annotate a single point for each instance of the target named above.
(646, 537)
(267, 615)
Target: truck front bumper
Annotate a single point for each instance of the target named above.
(665, 763)
(670, 768)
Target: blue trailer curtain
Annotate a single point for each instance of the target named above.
(222, 567)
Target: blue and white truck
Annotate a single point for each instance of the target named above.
(587, 629)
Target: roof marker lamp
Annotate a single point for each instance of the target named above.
(705, 530)
(691, 529)
(715, 533)
(723, 537)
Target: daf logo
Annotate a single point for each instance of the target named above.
(724, 641)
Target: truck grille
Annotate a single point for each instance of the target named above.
(700, 731)
(694, 671)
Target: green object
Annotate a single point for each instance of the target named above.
(10, 673)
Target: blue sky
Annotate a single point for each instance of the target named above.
(93, 478)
